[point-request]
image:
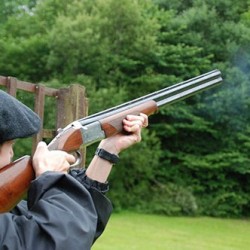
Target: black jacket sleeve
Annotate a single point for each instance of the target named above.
(102, 204)
(61, 213)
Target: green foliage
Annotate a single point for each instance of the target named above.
(132, 178)
(195, 157)
(170, 199)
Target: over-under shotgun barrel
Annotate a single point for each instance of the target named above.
(110, 119)
(164, 96)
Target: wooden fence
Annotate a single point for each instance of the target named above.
(71, 104)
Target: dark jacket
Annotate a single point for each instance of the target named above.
(62, 212)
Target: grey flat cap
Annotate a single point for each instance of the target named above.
(16, 119)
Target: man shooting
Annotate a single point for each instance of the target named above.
(65, 208)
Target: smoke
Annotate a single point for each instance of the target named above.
(241, 59)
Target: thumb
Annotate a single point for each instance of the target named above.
(41, 148)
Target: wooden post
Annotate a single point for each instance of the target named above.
(39, 109)
(11, 86)
(72, 105)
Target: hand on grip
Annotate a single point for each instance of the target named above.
(132, 124)
(55, 160)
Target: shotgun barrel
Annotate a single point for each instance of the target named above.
(164, 96)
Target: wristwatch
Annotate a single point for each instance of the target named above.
(102, 153)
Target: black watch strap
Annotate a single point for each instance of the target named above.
(112, 158)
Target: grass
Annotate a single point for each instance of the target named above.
(131, 231)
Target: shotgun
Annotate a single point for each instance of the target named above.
(16, 177)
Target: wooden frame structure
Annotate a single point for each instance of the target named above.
(71, 104)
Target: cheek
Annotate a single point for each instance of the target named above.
(5, 158)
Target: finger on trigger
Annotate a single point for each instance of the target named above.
(70, 158)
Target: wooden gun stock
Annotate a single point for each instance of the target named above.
(15, 178)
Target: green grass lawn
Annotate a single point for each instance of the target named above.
(131, 231)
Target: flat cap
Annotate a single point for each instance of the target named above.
(16, 119)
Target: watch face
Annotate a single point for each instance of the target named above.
(112, 158)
